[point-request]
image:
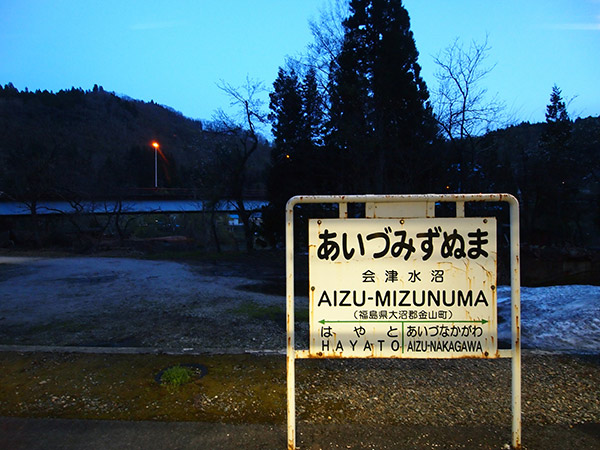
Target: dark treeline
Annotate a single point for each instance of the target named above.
(351, 116)
(355, 116)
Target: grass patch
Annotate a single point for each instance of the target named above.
(180, 374)
(176, 376)
(276, 313)
(258, 312)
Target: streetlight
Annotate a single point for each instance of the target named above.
(155, 145)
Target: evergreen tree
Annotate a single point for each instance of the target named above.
(298, 128)
(286, 114)
(558, 178)
(286, 118)
(313, 108)
(298, 160)
(381, 127)
(554, 142)
(558, 123)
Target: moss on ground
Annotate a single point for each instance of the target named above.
(241, 388)
(561, 389)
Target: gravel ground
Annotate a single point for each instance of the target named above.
(119, 302)
(123, 302)
(339, 403)
(556, 390)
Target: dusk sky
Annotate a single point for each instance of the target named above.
(176, 52)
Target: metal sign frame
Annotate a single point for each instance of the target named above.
(406, 206)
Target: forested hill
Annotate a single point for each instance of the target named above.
(513, 140)
(554, 170)
(95, 142)
(97, 122)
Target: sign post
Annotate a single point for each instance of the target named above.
(401, 283)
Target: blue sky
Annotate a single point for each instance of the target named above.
(175, 52)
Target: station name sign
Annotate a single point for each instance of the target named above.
(402, 288)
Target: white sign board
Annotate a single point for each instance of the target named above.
(402, 288)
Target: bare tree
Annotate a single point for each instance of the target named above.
(321, 54)
(461, 103)
(328, 34)
(233, 159)
(250, 115)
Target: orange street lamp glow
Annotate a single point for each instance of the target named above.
(155, 145)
